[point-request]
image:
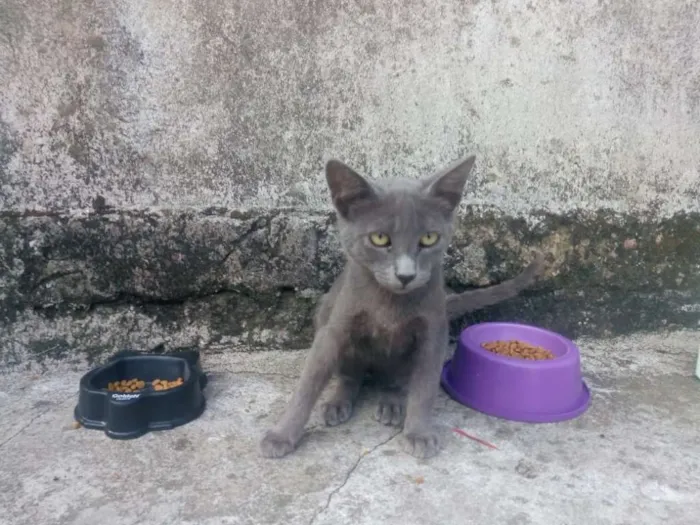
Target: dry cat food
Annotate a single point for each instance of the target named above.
(162, 384)
(126, 385)
(134, 385)
(515, 348)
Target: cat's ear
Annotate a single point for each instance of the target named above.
(448, 185)
(349, 190)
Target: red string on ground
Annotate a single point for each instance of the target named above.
(474, 438)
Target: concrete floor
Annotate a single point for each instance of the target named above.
(633, 458)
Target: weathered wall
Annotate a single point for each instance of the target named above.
(154, 143)
(583, 104)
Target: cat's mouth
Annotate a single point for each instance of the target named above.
(400, 288)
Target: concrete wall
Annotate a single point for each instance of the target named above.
(147, 150)
(570, 105)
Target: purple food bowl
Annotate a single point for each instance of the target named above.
(513, 388)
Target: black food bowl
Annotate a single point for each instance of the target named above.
(128, 415)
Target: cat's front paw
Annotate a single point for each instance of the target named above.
(337, 412)
(423, 444)
(391, 411)
(276, 445)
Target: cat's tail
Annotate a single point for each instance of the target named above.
(462, 303)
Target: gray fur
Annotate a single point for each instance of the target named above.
(387, 313)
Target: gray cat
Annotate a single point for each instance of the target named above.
(387, 313)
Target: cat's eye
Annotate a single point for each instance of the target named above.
(379, 239)
(429, 239)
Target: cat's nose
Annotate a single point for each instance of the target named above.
(405, 278)
(405, 269)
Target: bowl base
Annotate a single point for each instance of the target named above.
(579, 407)
(137, 433)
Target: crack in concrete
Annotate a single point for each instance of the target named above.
(265, 374)
(54, 277)
(253, 227)
(38, 416)
(349, 474)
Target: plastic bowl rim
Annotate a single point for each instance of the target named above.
(466, 340)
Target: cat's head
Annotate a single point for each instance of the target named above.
(398, 229)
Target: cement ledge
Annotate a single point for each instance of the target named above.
(80, 283)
